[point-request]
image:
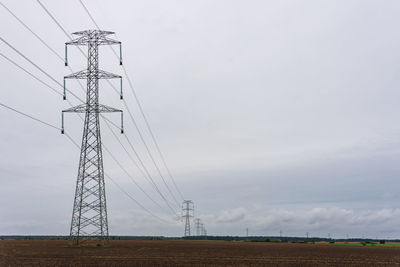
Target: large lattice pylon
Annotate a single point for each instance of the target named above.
(89, 216)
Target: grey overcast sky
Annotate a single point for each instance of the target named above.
(272, 115)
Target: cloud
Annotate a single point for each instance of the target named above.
(231, 216)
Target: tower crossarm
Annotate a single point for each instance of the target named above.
(101, 74)
(101, 41)
(98, 32)
(86, 37)
(84, 74)
(83, 108)
(93, 37)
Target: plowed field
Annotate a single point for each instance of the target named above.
(193, 253)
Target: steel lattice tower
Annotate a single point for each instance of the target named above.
(203, 230)
(89, 216)
(197, 225)
(188, 209)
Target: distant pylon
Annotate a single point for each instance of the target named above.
(188, 209)
(89, 216)
(202, 229)
(197, 223)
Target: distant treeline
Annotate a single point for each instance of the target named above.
(63, 237)
(282, 239)
(216, 238)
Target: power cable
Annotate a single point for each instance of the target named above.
(39, 68)
(29, 116)
(69, 37)
(58, 24)
(70, 138)
(30, 61)
(147, 175)
(53, 89)
(29, 29)
(65, 32)
(30, 73)
(134, 200)
(39, 38)
(36, 78)
(26, 58)
(148, 150)
(140, 108)
(132, 179)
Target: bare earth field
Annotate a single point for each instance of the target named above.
(193, 253)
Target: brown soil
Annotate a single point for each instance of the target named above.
(192, 253)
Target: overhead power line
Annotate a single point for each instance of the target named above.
(39, 38)
(51, 16)
(147, 175)
(134, 200)
(140, 108)
(29, 116)
(37, 67)
(36, 78)
(132, 179)
(41, 81)
(70, 138)
(50, 87)
(38, 120)
(131, 116)
(68, 36)
(30, 61)
(59, 25)
(30, 74)
(88, 13)
(148, 150)
(29, 29)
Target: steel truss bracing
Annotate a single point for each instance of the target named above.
(89, 216)
(188, 210)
